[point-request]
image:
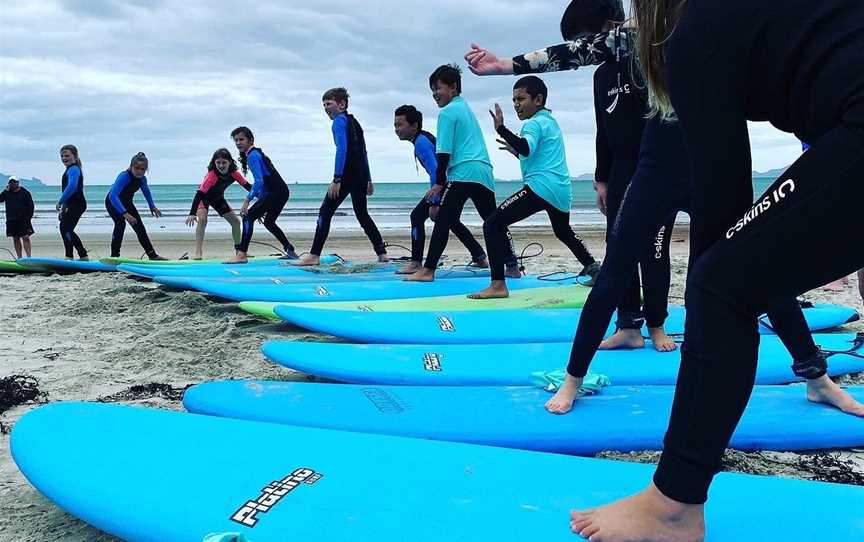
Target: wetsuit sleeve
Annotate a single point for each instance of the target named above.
(340, 138)
(604, 154)
(443, 160)
(196, 201)
(519, 144)
(256, 165)
(571, 55)
(425, 153)
(145, 189)
(241, 180)
(114, 194)
(73, 176)
(208, 182)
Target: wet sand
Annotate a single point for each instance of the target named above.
(94, 336)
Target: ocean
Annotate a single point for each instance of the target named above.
(390, 207)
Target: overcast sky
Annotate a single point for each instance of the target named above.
(172, 79)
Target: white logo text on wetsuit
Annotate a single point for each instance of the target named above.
(775, 196)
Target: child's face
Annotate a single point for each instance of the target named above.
(67, 158)
(443, 93)
(524, 104)
(138, 169)
(221, 165)
(404, 131)
(242, 142)
(334, 108)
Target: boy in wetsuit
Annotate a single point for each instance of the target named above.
(19, 214)
(408, 123)
(351, 177)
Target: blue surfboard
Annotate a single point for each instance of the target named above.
(495, 326)
(514, 364)
(153, 475)
(61, 265)
(280, 291)
(265, 268)
(618, 418)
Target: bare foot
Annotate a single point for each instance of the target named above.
(562, 401)
(383, 258)
(484, 263)
(837, 285)
(623, 338)
(648, 516)
(421, 275)
(409, 269)
(661, 341)
(825, 390)
(512, 272)
(240, 257)
(496, 290)
(309, 260)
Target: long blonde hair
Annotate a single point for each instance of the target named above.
(656, 21)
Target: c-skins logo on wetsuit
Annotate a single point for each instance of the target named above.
(273, 493)
(432, 361)
(446, 324)
(774, 197)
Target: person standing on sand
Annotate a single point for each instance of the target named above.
(270, 191)
(121, 208)
(464, 170)
(804, 74)
(351, 177)
(221, 173)
(19, 216)
(597, 36)
(408, 123)
(72, 202)
(540, 150)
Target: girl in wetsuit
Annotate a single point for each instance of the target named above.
(221, 173)
(121, 208)
(804, 73)
(72, 202)
(270, 190)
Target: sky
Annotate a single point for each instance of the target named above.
(172, 79)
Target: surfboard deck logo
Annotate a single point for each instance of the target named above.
(432, 361)
(446, 324)
(271, 494)
(322, 291)
(383, 401)
(365, 308)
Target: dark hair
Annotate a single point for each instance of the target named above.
(74, 150)
(338, 94)
(242, 130)
(139, 157)
(224, 154)
(449, 74)
(534, 86)
(411, 115)
(589, 16)
(656, 21)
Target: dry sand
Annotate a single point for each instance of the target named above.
(94, 336)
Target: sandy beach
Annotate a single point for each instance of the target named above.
(96, 336)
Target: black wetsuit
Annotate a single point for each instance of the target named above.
(352, 174)
(799, 65)
(620, 105)
(272, 193)
(73, 204)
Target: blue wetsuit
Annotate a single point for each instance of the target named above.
(424, 152)
(72, 206)
(272, 194)
(119, 201)
(351, 171)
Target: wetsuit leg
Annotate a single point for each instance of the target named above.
(656, 269)
(68, 222)
(467, 238)
(119, 229)
(629, 307)
(140, 230)
(418, 229)
(515, 208)
(325, 215)
(658, 188)
(253, 213)
(484, 201)
(453, 201)
(361, 211)
(274, 205)
(564, 233)
(817, 197)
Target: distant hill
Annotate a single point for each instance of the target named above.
(26, 183)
